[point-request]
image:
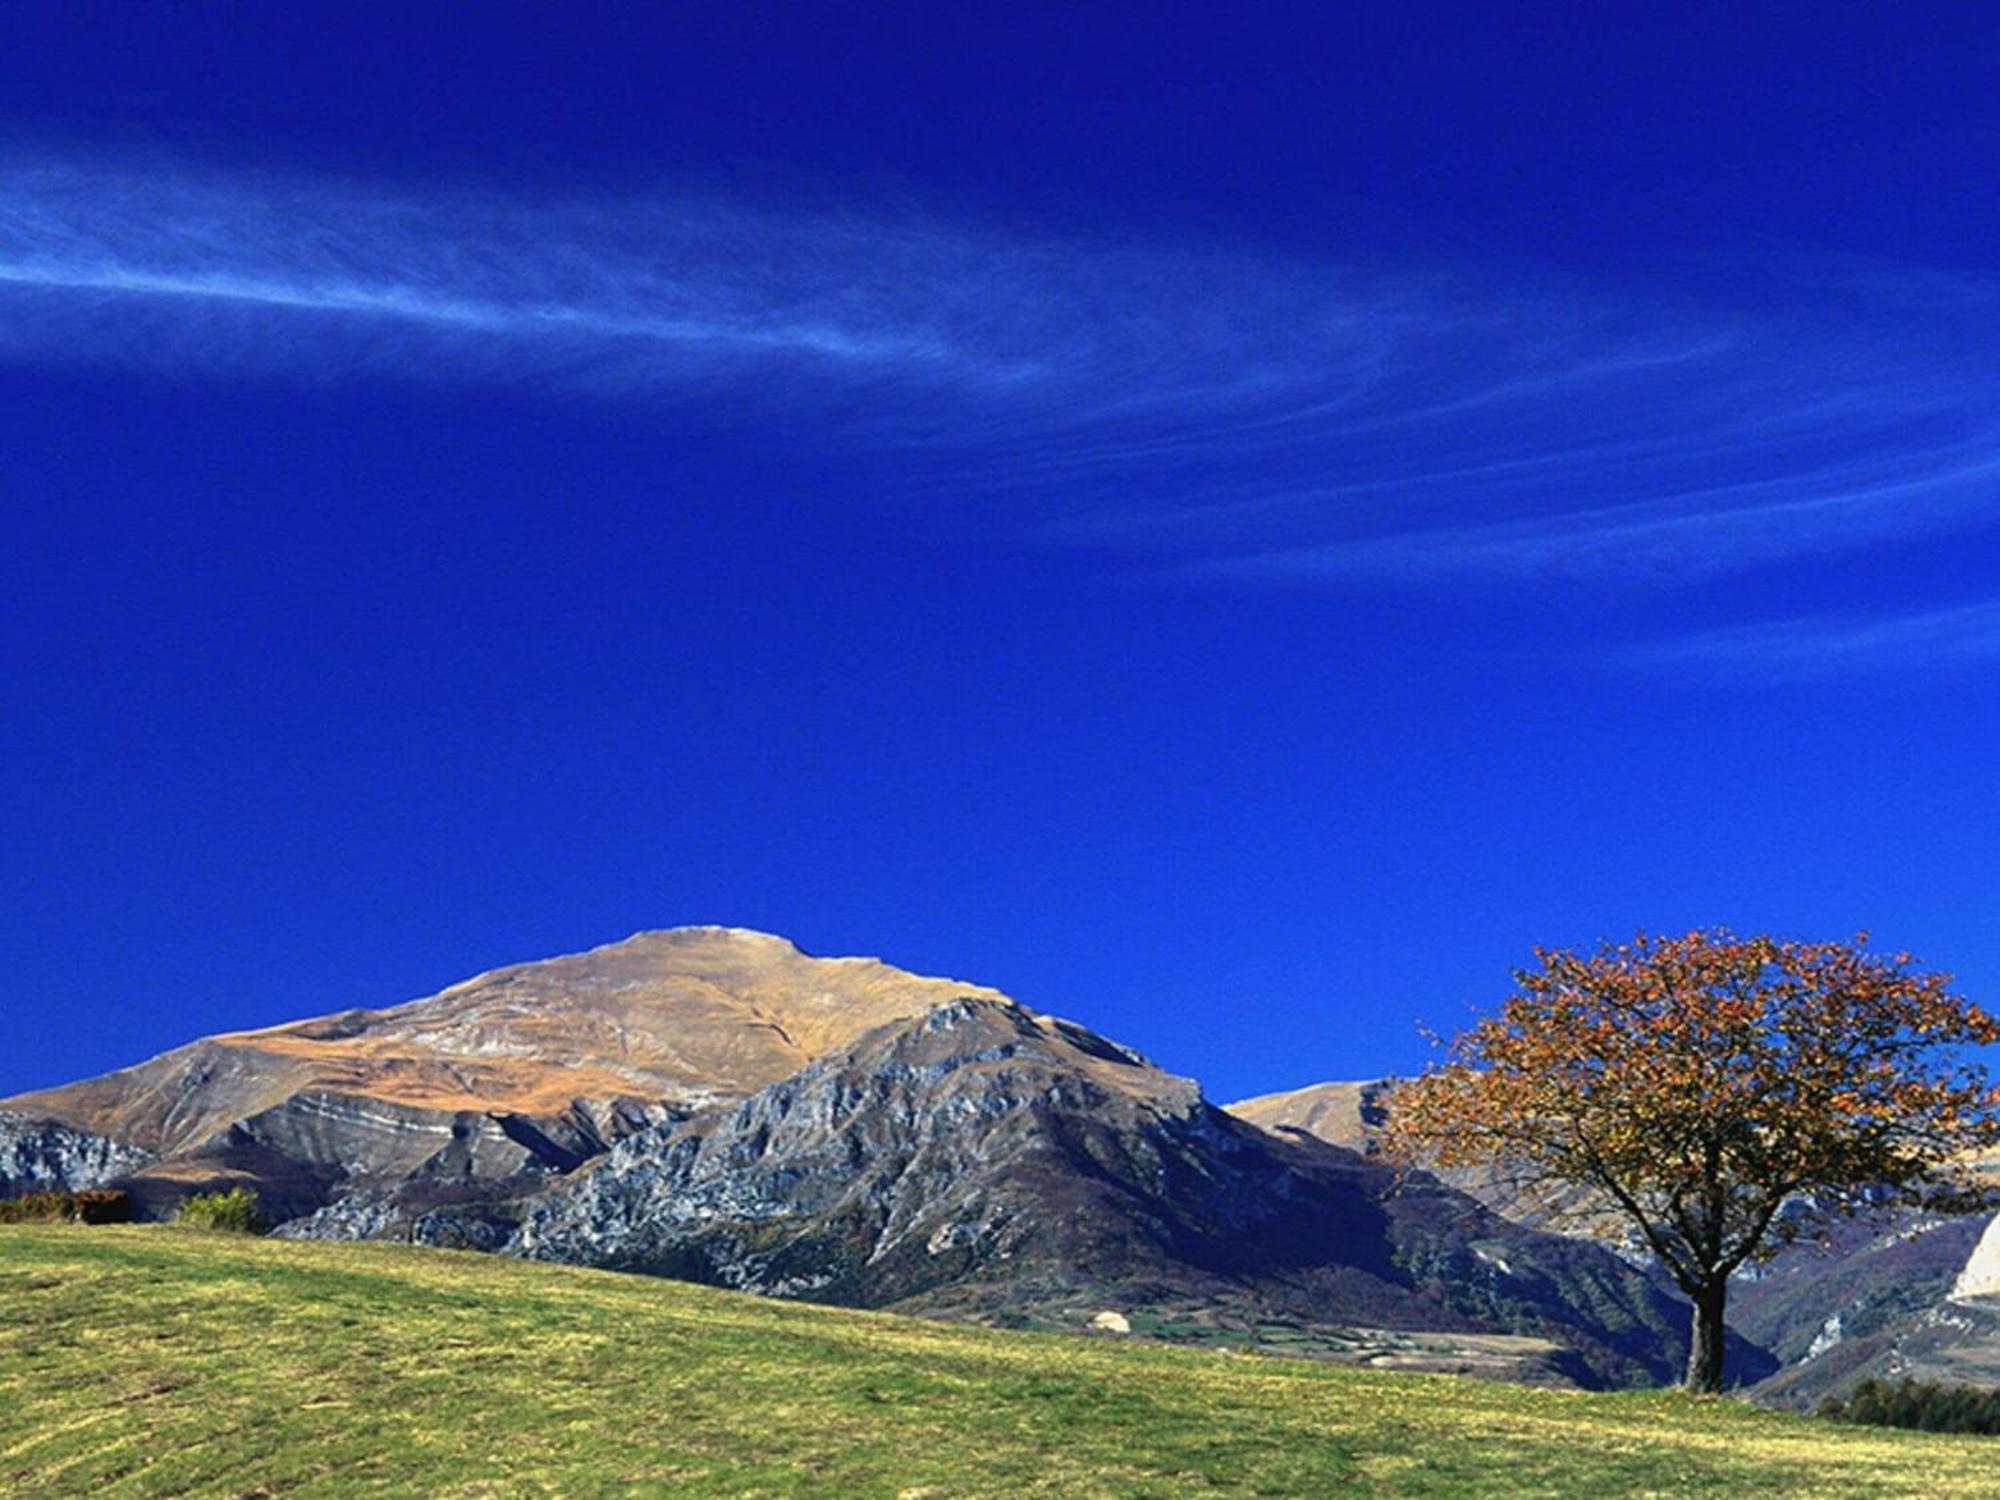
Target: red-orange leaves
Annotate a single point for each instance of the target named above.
(1699, 1084)
(1699, 1081)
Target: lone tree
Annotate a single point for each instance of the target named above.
(1723, 1095)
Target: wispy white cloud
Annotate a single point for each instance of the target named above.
(399, 303)
(1693, 537)
(167, 266)
(1363, 423)
(1894, 647)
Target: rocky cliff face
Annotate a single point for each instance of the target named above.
(985, 1161)
(38, 1155)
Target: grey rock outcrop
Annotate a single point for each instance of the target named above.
(37, 1155)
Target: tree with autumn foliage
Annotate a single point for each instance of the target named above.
(1722, 1095)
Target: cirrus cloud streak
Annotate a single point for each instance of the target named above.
(1359, 423)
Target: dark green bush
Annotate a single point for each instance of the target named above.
(91, 1206)
(38, 1208)
(1925, 1405)
(234, 1212)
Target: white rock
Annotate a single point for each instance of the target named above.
(1981, 1276)
(1111, 1322)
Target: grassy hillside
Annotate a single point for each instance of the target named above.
(159, 1361)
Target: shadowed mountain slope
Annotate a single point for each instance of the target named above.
(1904, 1292)
(1907, 1294)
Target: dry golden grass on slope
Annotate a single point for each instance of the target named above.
(155, 1361)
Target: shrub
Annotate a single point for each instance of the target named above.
(1926, 1405)
(233, 1212)
(37, 1208)
(102, 1206)
(50, 1206)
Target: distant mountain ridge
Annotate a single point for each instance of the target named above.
(1905, 1293)
(1342, 1113)
(1352, 1113)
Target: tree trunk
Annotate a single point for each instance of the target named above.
(1704, 1368)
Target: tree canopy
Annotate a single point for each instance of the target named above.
(1722, 1095)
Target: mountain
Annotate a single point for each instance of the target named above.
(1341, 1114)
(713, 1104)
(1352, 1114)
(985, 1161)
(492, 1085)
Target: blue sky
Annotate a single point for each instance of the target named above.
(1231, 527)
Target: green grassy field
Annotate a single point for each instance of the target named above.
(154, 1361)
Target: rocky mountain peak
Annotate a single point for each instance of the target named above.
(987, 1160)
(564, 1054)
